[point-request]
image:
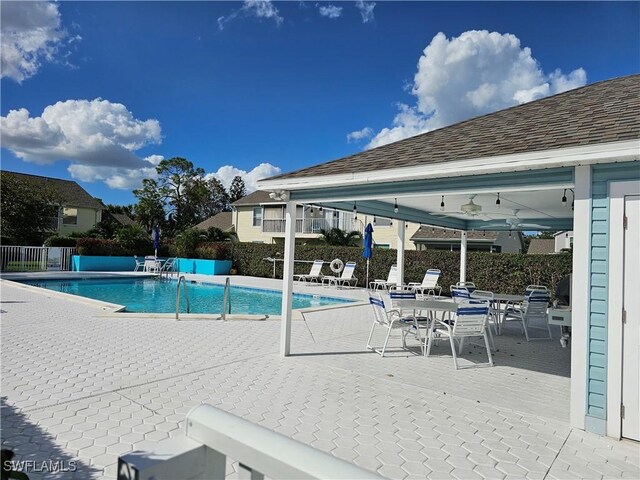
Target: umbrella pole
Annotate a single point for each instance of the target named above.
(367, 284)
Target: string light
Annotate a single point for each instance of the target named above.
(442, 204)
(374, 219)
(311, 210)
(564, 198)
(498, 201)
(395, 205)
(320, 209)
(573, 199)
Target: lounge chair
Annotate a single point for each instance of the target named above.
(391, 281)
(429, 283)
(151, 264)
(313, 275)
(345, 278)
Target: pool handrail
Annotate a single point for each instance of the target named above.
(226, 299)
(182, 279)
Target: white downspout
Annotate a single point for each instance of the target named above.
(287, 278)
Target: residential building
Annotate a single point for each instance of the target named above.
(259, 218)
(563, 241)
(541, 246)
(78, 212)
(222, 221)
(434, 238)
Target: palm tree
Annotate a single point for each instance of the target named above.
(339, 237)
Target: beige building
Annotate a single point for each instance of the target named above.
(79, 211)
(258, 218)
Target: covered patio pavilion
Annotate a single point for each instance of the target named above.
(565, 162)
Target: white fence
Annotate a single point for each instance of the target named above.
(312, 225)
(213, 434)
(33, 259)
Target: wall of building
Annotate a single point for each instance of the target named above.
(601, 177)
(87, 219)
(245, 230)
(509, 243)
(388, 235)
(563, 240)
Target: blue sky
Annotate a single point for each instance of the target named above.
(261, 87)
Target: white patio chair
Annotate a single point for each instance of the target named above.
(469, 321)
(534, 308)
(492, 318)
(139, 263)
(419, 321)
(391, 281)
(313, 275)
(389, 320)
(151, 264)
(344, 279)
(429, 283)
(459, 293)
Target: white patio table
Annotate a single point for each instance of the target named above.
(430, 304)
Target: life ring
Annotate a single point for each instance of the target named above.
(336, 265)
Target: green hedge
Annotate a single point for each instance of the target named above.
(57, 241)
(504, 273)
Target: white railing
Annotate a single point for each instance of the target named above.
(312, 225)
(33, 259)
(213, 434)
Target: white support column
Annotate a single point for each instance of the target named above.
(287, 278)
(580, 295)
(463, 256)
(400, 252)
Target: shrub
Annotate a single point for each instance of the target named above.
(214, 251)
(134, 238)
(56, 241)
(98, 246)
(504, 273)
(186, 243)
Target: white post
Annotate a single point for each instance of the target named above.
(463, 256)
(400, 252)
(287, 278)
(580, 293)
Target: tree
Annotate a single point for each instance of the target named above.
(29, 212)
(149, 211)
(179, 184)
(339, 237)
(237, 189)
(207, 198)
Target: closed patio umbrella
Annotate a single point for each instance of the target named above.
(368, 250)
(156, 239)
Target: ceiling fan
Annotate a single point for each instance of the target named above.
(517, 223)
(470, 209)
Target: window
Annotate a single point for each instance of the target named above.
(257, 217)
(383, 222)
(69, 216)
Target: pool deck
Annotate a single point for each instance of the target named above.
(79, 384)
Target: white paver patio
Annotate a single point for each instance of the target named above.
(79, 385)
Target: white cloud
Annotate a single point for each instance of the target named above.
(366, 10)
(366, 132)
(330, 11)
(226, 174)
(476, 73)
(31, 33)
(98, 137)
(253, 8)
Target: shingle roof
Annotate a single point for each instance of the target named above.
(542, 245)
(602, 112)
(71, 194)
(123, 219)
(255, 198)
(223, 221)
(429, 233)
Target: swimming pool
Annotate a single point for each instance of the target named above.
(152, 295)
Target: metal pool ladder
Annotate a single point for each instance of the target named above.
(226, 299)
(182, 281)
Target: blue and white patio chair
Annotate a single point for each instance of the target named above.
(391, 281)
(314, 274)
(429, 283)
(139, 263)
(345, 278)
(419, 321)
(459, 293)
(470, 286)
(534, 308)
(389, 320)
(469, 320)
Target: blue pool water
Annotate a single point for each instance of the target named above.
(151, 295)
